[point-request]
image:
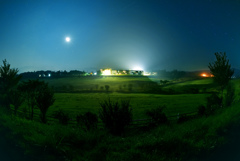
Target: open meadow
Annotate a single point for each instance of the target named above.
(173, 141)
(79, 95)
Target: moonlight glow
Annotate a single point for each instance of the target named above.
(67, 39)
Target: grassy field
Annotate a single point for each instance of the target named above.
(75, 103)
(98, 83)
(185, 141)
(81, 103)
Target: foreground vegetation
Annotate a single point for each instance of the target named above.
(164, 142)
(158, 139)
(173, 141)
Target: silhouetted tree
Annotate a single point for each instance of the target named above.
(221, 69)
(31, 91)
(107, 87)
(8, 80)
(44, 99)
(16, 99)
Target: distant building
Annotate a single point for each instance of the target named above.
(109, 71)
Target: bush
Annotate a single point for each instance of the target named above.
(130, 87)
(88, 120)
(107, 87)
(183, 118)
(62, 117)
(194, 90)
(201, 110)
(213, 103)
(115, 116)
(157, 115)
(229, 97)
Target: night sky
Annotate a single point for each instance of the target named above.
(120, 34)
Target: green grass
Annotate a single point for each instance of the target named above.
(204, 85)
(77, 103)
(166, 142)
(97, 83)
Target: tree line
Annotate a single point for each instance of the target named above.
(34, 93)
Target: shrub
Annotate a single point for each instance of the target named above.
(229, 97)
(201, 110)
(88, 120)
(194, 90)
(213, 103)
(183, 118)
(157, 115)
(130, 86)
(62, 117)
(115, 116)
(107, 87)
(163, 82)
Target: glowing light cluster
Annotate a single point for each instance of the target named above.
(107, 72)
(206, 75)
(137, 68)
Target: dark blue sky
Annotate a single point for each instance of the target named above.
(150, 34)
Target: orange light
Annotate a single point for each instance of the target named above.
(204, 75)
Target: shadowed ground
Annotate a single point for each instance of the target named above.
(228, 151)
(9, 151)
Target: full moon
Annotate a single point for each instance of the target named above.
(67, 39)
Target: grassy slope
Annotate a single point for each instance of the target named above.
(81, 103)
(94, 83)
(173, 142)
(75, 103)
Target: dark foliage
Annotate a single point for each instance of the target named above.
(8, 81)
(115, 116)
(88, 120)
(130, 87)
(157, 115)
(31, 90)
(107, 87)
(229, 97)
(194, 90)
(201, 110)
(16, 99)
(183, 118)
(213, 103)
(44, 99)
(62, 117)
(221, 69)
(164, 82)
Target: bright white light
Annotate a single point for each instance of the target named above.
(137, 68)
(107, 72)
(67, 39)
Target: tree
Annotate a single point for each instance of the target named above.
(8, 81)
(31, 90)
(44, 99)
(221, 70)
(16, 99)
